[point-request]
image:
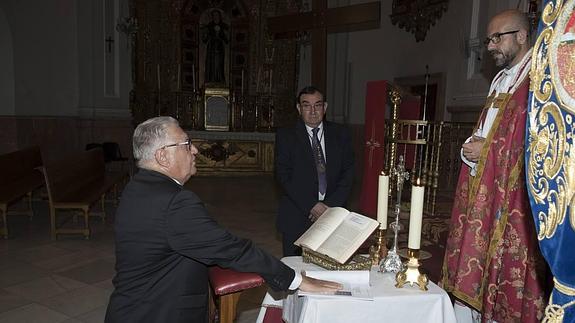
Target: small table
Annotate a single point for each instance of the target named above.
(390, 304)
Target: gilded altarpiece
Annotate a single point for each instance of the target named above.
(550, 153)
(185, 51)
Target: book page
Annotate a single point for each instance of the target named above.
(355, 283)
(348, 237)
(322, 228)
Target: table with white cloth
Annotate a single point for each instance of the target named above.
(390, 304)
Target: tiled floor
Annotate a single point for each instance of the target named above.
(69, 280)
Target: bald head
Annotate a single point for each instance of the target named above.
(512, 18)
(508, 37)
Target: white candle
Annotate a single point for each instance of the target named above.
(382, 194)
(158, 77)
(415, 216)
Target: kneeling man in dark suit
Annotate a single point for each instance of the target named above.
(165, 238)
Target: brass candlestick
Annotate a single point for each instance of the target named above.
(411, 273)
(378, 250)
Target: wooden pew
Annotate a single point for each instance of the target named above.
(20, 175)
(77, 183)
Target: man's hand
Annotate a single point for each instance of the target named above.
(317, 210)
(313, 285)
(472, 149)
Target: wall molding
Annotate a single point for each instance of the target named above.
(104, 112)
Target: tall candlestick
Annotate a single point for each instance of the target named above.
(416, 215)
(382, 195)
(194, 77)
(242, 81)
(158, 70)
(271, 81)
(179, 77)
(258, 80)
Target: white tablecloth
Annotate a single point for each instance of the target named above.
(390, 304)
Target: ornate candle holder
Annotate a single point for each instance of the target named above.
(379, 249)
(392, 262)
(411, 273)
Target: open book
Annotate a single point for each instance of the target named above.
(337, 233)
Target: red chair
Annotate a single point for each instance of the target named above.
(273, 315)
(228, 285)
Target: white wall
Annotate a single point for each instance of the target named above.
(6, 67)
(53, 50)
(390, 52)
(45, 56)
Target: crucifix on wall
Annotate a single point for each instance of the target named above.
(321, 21)
(109, 42)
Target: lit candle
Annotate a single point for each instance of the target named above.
(415, 216)
(382, 193)
(158, 77)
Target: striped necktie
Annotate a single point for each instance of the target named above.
(319, 161)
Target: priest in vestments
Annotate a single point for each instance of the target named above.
(492, 261)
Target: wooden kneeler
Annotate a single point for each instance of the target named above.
(228, 285)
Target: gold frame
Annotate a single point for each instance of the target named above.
(222, 93)
(356, 262)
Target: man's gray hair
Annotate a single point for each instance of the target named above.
(150, 136)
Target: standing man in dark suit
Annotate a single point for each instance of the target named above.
(313, 165)
(165, 238)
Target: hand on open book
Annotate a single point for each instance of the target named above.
(313, 285)
(317, 210)
(472, 149)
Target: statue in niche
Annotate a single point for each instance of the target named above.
(215, 38)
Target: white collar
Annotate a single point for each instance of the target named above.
(320, 127)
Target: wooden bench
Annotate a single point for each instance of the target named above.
(20, 175)
(77, 183)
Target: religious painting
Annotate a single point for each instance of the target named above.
(214, 48)
(563, 57)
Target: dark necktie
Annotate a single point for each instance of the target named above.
(319, 161)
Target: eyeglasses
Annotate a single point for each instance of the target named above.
(496, 38)
(316, 106)
(187, 143)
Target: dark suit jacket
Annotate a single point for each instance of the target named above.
(165, 240)
(296, 173)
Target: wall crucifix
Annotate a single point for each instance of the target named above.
(321, 21)
(109, 42)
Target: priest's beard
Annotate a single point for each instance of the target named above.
(501, 59)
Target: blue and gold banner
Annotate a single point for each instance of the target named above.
(550, 151)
